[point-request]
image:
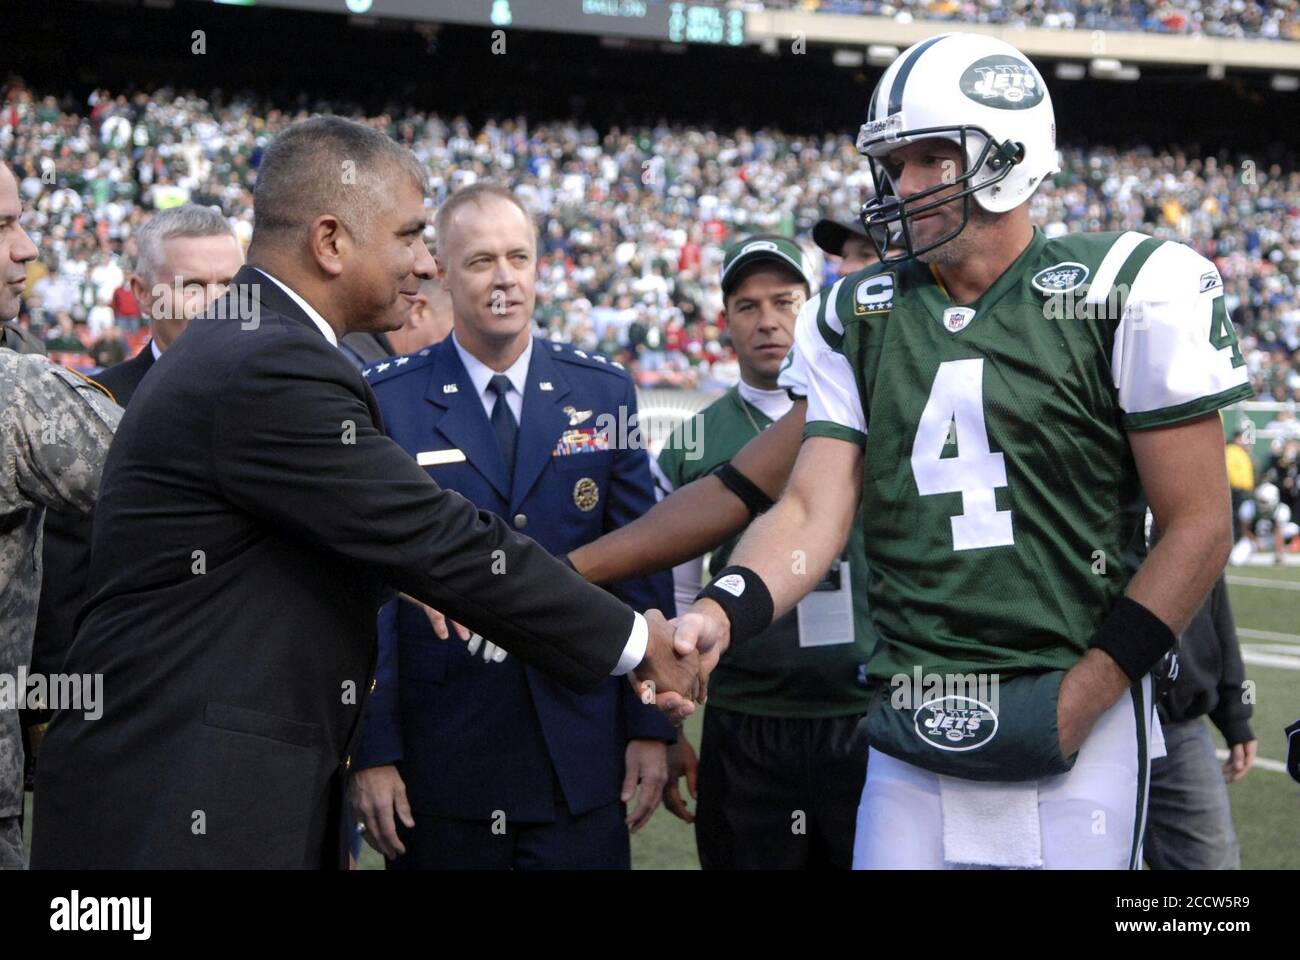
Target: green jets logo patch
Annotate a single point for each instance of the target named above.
(1060, 278)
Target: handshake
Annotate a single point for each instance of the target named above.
(679, 657)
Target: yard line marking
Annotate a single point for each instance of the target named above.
(1268, 635)
(1269, 660)
(1270, 584)
(1273, 649)
(1264, 763)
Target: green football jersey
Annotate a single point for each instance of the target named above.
(774, 674)
(1001, 507)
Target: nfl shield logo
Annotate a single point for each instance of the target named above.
(956, 319)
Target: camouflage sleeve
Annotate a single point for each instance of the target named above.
(55, 430)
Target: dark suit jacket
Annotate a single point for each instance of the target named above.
(121, 379)
(473, 737)
(251, 516)
(66, 551)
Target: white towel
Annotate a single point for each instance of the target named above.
(990, 824)
(1158, 748)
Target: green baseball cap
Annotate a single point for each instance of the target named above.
(761, 247)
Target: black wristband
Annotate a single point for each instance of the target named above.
(750, 494)
(1134, 637)
(744, 596)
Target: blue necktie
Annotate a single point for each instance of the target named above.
(504, 424)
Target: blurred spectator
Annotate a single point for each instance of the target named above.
(110, 348)
(631, 219)
(1277, 19)
(1241, 476)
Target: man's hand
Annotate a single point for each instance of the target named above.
(438, 620)
(706, 630)
(664, 678)
(646, 762)
(378, 792)
(1240, 759)
(1088, 690)
(681, 763)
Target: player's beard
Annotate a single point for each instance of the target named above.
(967, 243)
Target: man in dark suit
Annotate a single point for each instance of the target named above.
(501, 766)
(186, 257)
(252, 518)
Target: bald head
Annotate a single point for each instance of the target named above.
(327, 166)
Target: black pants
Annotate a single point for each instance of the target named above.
(1238, 498)
(778, 793)
(596, 840)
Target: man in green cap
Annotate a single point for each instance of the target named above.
(781, 762)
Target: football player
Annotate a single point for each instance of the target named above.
(1264, 519)
(997, 402)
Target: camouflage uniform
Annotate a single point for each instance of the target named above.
(15, 338)
(55, 428)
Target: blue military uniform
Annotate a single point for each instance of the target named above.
(497, 743)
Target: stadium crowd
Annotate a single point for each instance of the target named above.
(1277, 19)
(633, 221)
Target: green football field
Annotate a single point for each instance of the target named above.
(1265, 805)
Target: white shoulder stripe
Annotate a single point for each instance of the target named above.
(1119, 251)
(832, 316)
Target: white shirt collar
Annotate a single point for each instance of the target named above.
(775, 404)
(307, 308)
(154, 349)
(480, 373)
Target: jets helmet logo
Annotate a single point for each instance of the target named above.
(955, 723)
(1003, 82)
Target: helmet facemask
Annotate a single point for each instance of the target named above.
(887, 217)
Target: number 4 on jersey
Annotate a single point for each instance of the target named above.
(957, 396)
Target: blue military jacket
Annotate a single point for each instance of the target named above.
(470, 737)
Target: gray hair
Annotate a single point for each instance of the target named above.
(327, 165)
(190, 220)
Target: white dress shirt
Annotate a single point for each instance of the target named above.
(154, 349)
(307, 308)
(480, 374)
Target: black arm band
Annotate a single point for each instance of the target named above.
(744, 596)
(1134, 637)
(754, 499)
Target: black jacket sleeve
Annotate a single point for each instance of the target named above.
(322, 470)
(1232, 713)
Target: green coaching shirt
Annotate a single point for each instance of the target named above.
(772, 674)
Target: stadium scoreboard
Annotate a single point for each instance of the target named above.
(674, 22)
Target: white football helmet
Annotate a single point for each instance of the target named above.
(982, 94)
(1267, 496)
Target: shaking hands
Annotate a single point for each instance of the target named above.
(680, 655)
